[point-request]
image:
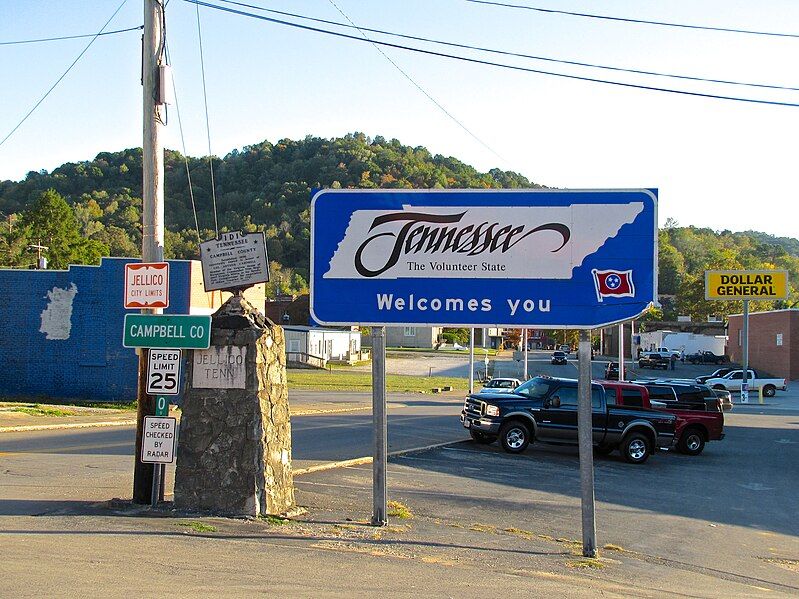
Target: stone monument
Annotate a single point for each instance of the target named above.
(234, 446)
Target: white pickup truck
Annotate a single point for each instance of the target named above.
(732, 382)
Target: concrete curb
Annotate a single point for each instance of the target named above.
(49, 427)
(367, 459)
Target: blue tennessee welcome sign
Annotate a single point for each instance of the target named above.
(543, 258)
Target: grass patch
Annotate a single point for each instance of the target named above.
(40, 410)
(399, 510)
(343, 380)
(197, 526)
(612, 547)
(587, 562)
(276, 520)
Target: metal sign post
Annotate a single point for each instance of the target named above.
(471, 360)
(524, 353)
(743, 285)
(745, 360)
(586, 443)
(380, 461)
(621, 351)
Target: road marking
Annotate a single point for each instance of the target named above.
(756, 487)
(68, 450)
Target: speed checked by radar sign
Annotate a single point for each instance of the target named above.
(163, 372)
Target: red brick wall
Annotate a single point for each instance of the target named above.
(764, 353)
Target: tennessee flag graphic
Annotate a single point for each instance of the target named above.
(613, 283)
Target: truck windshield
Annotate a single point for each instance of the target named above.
(535, 388)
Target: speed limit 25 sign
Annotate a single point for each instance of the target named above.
(163, 372)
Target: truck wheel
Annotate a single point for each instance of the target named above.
(641, 364)
(769, 391)
(635, 448)
(692, 442)
(481, 437)
(514, 436)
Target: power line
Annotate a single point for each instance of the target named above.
(509, 53)
(495, 64)
(419, 87)
(183, 143)
(64, 74)
(637, 21)
(70, 37)
(207, 121)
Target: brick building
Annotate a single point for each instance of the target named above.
(61, 330)
(773, 341)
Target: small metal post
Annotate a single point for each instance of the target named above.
(745, 335)
(471, 360)
(155, 495)
(524, 352)
(621, 351)
(380, 460)
(586, 444)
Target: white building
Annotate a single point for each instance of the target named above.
(323, 344)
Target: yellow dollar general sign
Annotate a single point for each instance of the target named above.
(746, 284)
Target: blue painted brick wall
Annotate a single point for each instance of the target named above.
(91, 364)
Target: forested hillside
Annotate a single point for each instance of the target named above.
(95, 209)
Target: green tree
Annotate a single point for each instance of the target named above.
(52, 223)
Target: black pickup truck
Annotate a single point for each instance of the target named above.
(545, 409)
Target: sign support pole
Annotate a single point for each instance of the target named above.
(380, 461)
(621, 351)
(471, 360)
(586, 444)
(745, 374)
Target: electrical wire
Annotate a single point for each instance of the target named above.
(419, 87)
(496, 64)
(64, 74)
(509, 53)
(207, 121)
(70, 37)
(183, 144)
(637, 21)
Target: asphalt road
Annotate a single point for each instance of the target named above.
(44, 467)
(730, 513)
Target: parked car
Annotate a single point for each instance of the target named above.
(500, 385)
(654, 360)
(698, 410)
(545, 409)
(719, 372)
(705, 357)
(733, 379)
(668, 352)
(612, 371)
(565, 348)
(559, 357)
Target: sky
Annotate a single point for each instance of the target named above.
(717, 163)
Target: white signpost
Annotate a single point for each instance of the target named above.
(234, 260)
(163, 372)
(158, 441)
(147, 285)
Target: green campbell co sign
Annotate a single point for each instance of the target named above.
(178, 331)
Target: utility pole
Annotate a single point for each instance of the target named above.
(152, 245)
(745, 373)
